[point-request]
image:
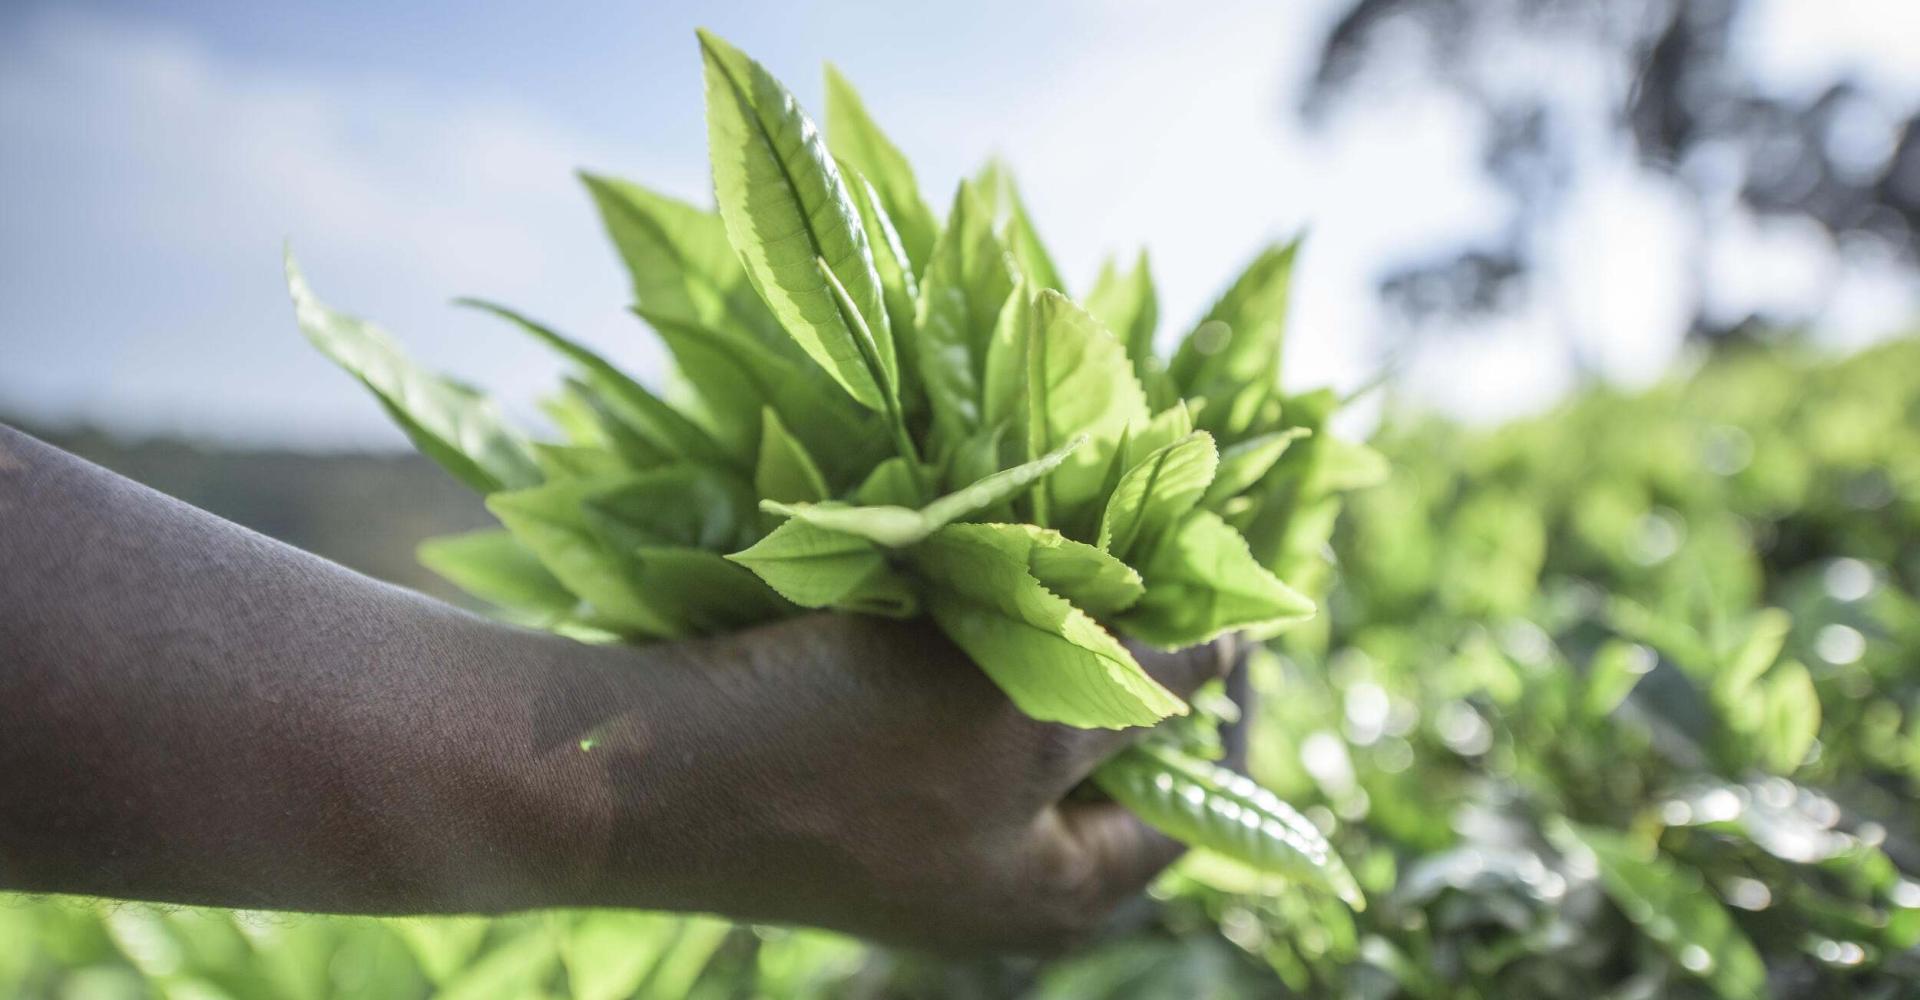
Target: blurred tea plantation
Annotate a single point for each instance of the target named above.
(1616, 702)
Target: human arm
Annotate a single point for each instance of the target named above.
(190, 712)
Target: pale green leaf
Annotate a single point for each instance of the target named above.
(1612, 674)
(1153, 495)
(451, 423)
(1202, 582)
(1002, 196)
(442, 945)
(511, 970)
(966, 285)
(898, 527)
(1758, 646)
(1053, 660)
(553, 522)
(1092, 580)
(1166, 427)
(1210, 807)
(681, 264)
(786, 206)
(1244, 463)
(817, 568)
(892, 483)
(900, 290)
(1127, 305)
(1344, 465)
(853, 136)
(568, 461)
(1240, 339)
(1003, 390)
(1078, 381)
(609, 953)
(737, 380)
(492, 566)
(675, 505)
(1791, 717)
(654, 419)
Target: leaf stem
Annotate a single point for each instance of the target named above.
(889, 387)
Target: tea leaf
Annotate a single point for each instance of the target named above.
(552, 521)
(737, 381)
(967, 283)
(786, 206)
(1127, 305)
(1159, 491)
(1244, 463)
(1202, 583)
(494, 567)
(785, 471)
(898, 527)
(681, 264)
(1210, 807)
(900, 291)
(1022, 240)
(663, 427)
(451, 423)
(1092, 580)
(1049, 657)
(1238, 342)
(1078, 381)
(817, 568)
(853, 136)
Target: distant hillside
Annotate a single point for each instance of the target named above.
(366, 510)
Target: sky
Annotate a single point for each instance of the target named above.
(159, 155)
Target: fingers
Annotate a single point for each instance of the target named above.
(1233, 735)
(1182, 672)
(1110, 857)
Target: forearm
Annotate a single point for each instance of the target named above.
(191, 712)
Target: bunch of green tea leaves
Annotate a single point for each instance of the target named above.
(892, 414)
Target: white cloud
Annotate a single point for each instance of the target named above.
(155, 184)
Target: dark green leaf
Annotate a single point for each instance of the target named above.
(785, 471)
(1669, 903)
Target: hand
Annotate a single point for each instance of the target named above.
(864, 775)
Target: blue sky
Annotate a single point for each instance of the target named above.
(158, 155)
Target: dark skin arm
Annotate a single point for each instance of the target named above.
(190, 712)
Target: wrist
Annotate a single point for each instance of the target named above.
(621, 743)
